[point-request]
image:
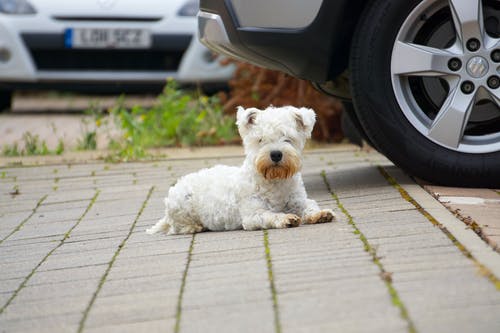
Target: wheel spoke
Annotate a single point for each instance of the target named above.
(468, 20)
(494, 96)
(490, 42)
(449, 126)
(413, 59)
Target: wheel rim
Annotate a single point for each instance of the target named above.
(445, 70)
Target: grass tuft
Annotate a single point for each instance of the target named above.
(177, 119)
(33, 146)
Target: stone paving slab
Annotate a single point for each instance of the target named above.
(74, 256)
(478, 208)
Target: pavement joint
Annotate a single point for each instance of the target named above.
(112, 261)
(178, 314)
(72, 267)
(20, 225)
(406, 196)
(272, 285)
(61, 242)
(384, 275)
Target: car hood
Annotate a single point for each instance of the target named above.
(108, 8)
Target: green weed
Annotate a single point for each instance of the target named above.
(11, 150)
(177, 119)
(60, 147)
(88, 141)
(15, 190)
(32, 146)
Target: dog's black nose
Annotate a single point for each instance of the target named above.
(276, 156)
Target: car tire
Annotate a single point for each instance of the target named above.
(5, 100)
(405, 121)
(352, 127)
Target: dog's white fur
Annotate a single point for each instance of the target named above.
(261, 194)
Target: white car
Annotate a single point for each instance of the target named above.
(59, 44)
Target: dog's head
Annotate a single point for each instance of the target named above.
(274, 138)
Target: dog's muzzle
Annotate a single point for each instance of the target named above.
(277, 164)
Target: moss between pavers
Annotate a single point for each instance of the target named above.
(178, 313)
(272, 286)
(61, 242)
(406, 196)
(384, 275)
(20, 225)
(112, 261)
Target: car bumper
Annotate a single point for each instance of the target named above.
(317, 52)
(214, 34)
(28, 56)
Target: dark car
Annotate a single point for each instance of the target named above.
(423, 75)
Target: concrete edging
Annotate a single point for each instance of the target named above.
(481, 251)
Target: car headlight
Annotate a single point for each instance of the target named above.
(190, 8)
(16, 7)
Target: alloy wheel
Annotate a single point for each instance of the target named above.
(445, 70)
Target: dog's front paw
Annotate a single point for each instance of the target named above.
(323, 216)
(289, 221)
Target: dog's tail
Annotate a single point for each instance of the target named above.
(162, 225)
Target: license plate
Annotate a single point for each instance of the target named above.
(101, 38)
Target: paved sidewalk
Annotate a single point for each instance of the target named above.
(478, 208)
(74, 256)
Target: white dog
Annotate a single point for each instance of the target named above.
(266, 192)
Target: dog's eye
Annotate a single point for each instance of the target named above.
(288, 140)
(260, 140)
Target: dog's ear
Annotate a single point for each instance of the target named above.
(305, 119)
(245, 119)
